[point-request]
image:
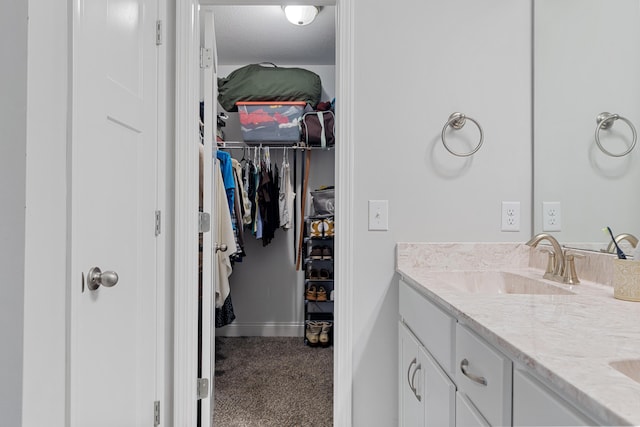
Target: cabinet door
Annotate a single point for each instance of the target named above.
(411, 401)
(466, 414)
(534, 405)
(438, 393)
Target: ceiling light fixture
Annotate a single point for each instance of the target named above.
(301, 15)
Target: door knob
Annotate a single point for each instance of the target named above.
(96, 277)
(221, 247)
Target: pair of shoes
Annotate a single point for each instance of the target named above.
(318, 333)
(323, 274)
(321, 252)
(316, 294)
(322, 228)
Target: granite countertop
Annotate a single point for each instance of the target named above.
(567, 341)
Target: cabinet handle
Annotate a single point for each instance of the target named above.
(413, 377)
(409, 379)
(463, 367)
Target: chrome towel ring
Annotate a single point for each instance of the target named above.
(457, 121)
(605, 121)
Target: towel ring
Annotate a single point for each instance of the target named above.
(457, 121)
(605, 121)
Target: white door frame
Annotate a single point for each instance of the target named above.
(186, 209)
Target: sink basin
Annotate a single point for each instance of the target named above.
(499, 282)
(630, 368)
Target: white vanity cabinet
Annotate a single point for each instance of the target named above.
(450, 376)
(427, 394)
(535, 405)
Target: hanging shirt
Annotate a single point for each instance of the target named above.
(227, 237)
(226, 167)
(286, 197)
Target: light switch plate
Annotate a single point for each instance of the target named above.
(378, 214)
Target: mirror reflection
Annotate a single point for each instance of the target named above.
(586, 62)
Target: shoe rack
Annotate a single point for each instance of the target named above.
(318, 283)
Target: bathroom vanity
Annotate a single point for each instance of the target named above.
(484, 340)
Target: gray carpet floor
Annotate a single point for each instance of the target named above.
(272, 381)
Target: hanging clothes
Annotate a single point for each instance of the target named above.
(245, 204)
(226, 167)
(286, 196)
(268, 195)
(226, 237)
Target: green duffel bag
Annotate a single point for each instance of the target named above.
(268, 82)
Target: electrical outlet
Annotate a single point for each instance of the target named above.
(510, 216)
(551, 216)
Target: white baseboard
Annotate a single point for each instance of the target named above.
(269, 329)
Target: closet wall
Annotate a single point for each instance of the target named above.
(266, 289)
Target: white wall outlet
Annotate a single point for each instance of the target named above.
(551, 216)
(510, 216)
(378, 214)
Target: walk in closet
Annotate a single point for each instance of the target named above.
(281, 277)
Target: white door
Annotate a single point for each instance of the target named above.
(113, 201)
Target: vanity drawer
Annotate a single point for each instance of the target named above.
(484, 375)
(430, 324)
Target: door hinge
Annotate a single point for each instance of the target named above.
(156, 413)
(206, 57)
(203, 388)
(158, 33)
(158, 223)
(204, 222)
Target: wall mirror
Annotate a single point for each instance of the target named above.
(586, 62)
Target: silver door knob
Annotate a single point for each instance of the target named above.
(96, 277)
(221, 247)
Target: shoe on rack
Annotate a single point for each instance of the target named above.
(324, 274)
(312, 294)
(316, 228)
(321, 295)
(323, 338)
(317, 252)
(331, 295)
(313, 333)
(313, 274)
(328, 227)
(326, 252)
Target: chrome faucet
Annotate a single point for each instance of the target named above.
(619, 238)
(558, 256)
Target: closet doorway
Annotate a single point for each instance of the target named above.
(267, 287)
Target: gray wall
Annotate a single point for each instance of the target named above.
(416, 62)
(13, 142)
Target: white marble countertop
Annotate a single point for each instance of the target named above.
(567, 341)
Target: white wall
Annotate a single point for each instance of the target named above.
(416, 62)
(266, 290)
(13, 106)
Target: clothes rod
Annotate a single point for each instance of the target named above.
(236, 146)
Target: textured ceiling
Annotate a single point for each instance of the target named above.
(251, 34)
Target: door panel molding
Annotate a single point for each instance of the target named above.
(185, 358)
